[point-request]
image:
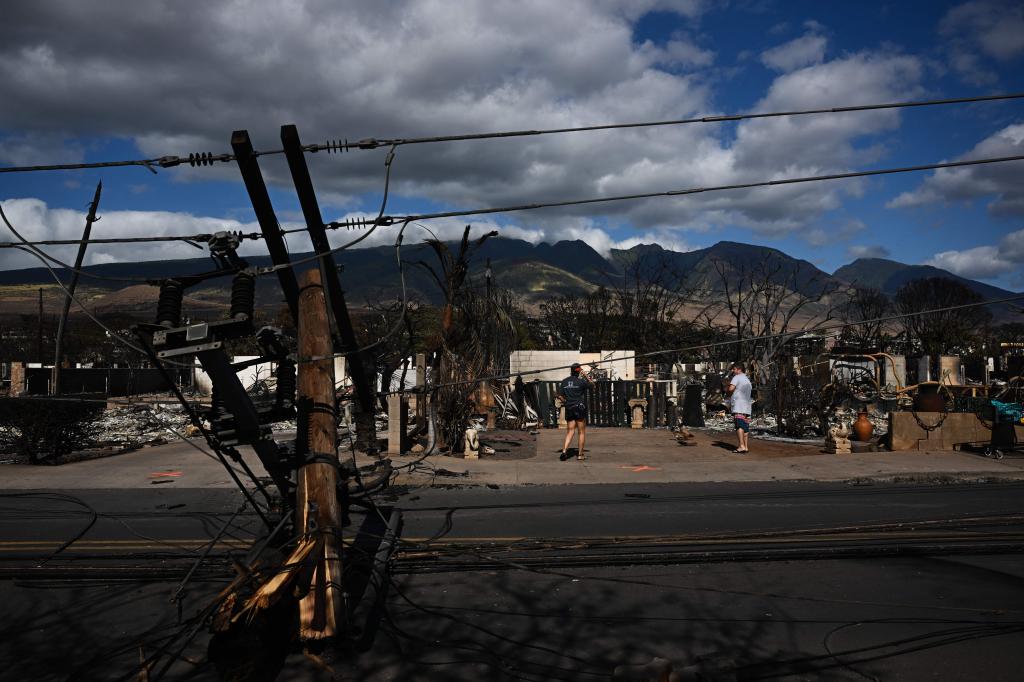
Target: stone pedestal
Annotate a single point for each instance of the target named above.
(838, 440)
(637, 409)
(398, 424)
(472, 450)
(560, 406)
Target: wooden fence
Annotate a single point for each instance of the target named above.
(608, 403)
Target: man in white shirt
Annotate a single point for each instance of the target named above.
(742, 405)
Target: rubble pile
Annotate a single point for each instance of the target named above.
(134, 426)
(722, 421)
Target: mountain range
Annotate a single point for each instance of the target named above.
(533, 272)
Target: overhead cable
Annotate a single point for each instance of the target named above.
(208, 159)
(374, 143)
(128, 240)
(383, 220)
(695, 190)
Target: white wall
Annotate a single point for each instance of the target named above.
(248, 376)
(522, 361)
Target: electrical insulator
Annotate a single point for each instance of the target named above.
(286, 383)
(243, 296)
(216, 410)
(168, 306)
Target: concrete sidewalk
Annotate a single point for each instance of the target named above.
(613, 456)
(653, 456)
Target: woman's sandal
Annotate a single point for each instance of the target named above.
(580, 457)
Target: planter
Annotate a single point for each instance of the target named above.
(863, 429)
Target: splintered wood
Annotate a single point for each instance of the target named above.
(316, 505)
(290, 574)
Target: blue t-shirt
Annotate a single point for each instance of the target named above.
(574, 389)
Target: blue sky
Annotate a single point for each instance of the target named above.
(91, 82)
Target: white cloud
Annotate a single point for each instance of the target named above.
(981, 262)
(803, 51)
(1001, 182)
(984, 262)
(35, 220)
(176, 80)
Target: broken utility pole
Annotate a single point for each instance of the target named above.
(269, 226)
(317, 510)
(57, 359)
(359, 369)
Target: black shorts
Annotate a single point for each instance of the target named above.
(575, 413)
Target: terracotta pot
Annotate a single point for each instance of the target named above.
(863, 429)
(928, 399)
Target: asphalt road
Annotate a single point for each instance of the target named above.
(772, 581)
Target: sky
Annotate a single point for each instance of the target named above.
(105, 80)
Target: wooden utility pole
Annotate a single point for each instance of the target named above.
(317, 512)
(59, 342)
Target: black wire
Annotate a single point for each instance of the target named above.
(374, 143)
(206, 159)
(491, 633)
(129, 240)
(500, 637)
(945, 637)
(379, 220)
(391, 220)
(32, 250)
(198, 423)
(94, 515)
(701, 190)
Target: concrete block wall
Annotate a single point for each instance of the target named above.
(521, 361)
(621, 363)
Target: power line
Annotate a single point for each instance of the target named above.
(693, 190)
(374, 143)
(382, 220)
(208, 158)
(25, 245)
(205, 237)
(199, 159)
